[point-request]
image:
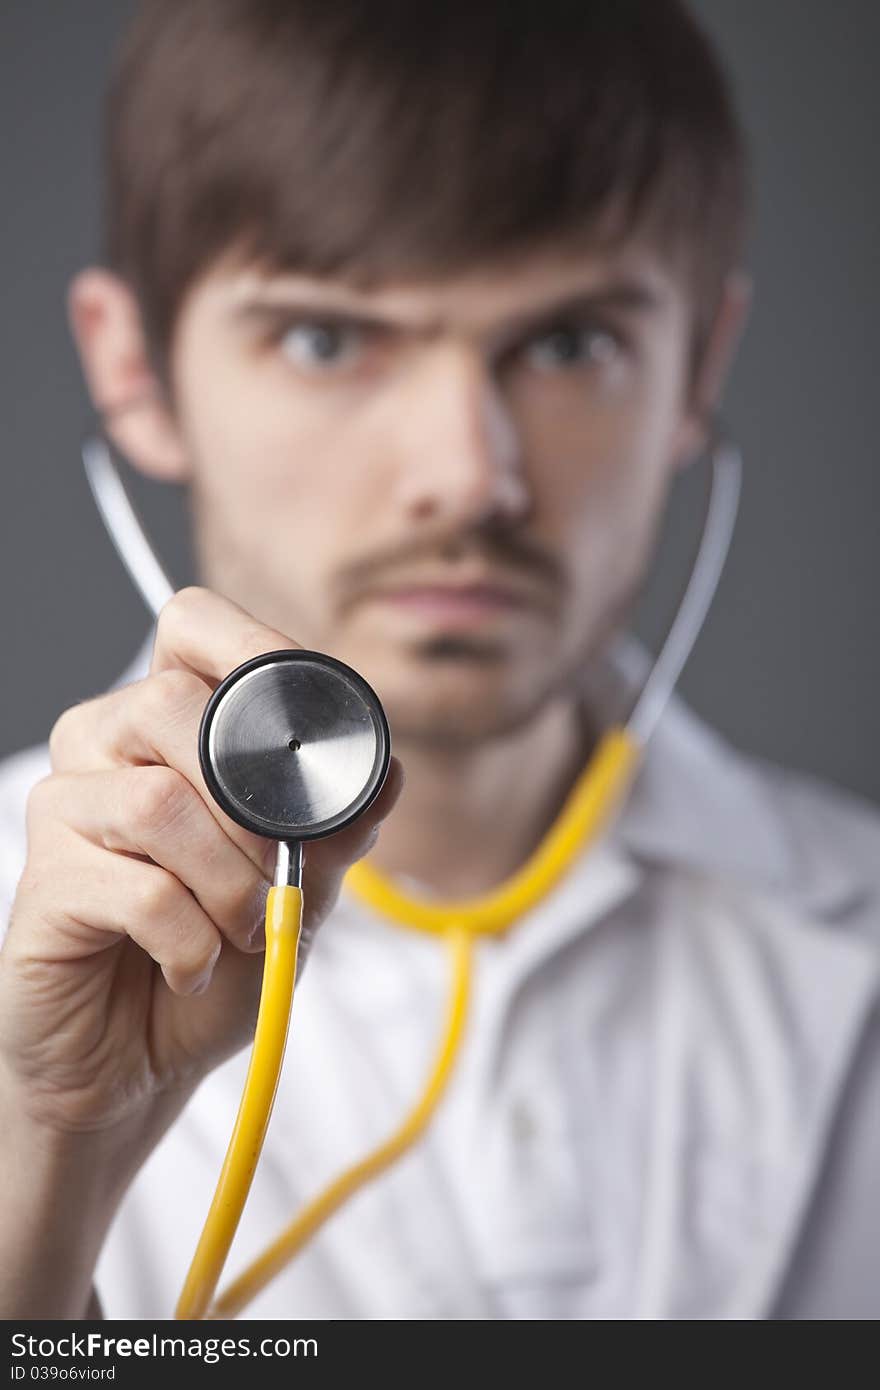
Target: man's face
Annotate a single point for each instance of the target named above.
(515, 427)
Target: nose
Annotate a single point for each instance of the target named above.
(460, 454)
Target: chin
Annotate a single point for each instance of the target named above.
(455, 704)
(451, 728)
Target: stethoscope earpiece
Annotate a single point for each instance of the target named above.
(294, 745)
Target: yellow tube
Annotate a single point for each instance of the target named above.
(283, 924)
(590, 801)
(589, 804)
(315, 1213)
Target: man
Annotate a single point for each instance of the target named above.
(426, 305)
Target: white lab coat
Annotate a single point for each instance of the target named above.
(668, 1103)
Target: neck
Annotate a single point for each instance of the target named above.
(467, 819)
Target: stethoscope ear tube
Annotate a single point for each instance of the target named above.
(722, 502)
(123, 525)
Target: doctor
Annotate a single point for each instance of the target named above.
(426, 312)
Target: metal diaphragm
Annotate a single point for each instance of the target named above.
(294, 745)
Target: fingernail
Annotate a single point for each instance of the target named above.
(204, 979)
(371, 842)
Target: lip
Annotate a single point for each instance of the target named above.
(460, 603)
(467, 583)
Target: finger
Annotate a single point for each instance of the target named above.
(326, 861)
(92, 899)
(154, 720)
(153, 812)
(203, 632)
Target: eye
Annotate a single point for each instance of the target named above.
(322, 345)
(570, 345)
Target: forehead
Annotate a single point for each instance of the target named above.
(635, 276)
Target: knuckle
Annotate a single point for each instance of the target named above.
(184, 939)
(184, 600)
(256, 640)
(29, 884)
(41, 793)
(180, 609)
(61, 733)
(41, 802)
(169, 694)
(159, 796)
(159, 897)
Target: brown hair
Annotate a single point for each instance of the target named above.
(375, 139)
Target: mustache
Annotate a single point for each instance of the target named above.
(496, 549)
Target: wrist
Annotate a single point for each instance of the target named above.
(58, 1194)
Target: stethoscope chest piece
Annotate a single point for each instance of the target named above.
(294, 744)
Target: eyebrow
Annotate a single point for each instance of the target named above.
(632, 296)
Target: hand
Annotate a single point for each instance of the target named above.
(133, 958)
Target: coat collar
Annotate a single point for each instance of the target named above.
(699, 802)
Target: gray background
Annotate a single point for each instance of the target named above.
(787, 665)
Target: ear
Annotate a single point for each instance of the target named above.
(108, 331)
(712, 370)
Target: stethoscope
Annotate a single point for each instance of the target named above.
(294, 745)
